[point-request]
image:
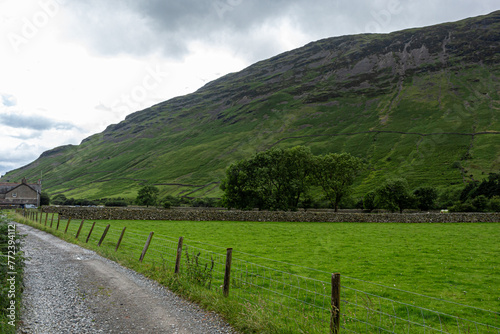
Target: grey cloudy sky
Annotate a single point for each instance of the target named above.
(69, 68)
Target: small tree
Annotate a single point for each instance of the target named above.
(44, 198)
(394, 195)
(480, 203)
(147, 195)
(335, 173)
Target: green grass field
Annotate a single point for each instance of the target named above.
(405, 278)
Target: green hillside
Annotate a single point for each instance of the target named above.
(419, 103)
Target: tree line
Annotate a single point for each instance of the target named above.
(281, 179)
(286, 179)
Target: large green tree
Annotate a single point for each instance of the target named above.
(394, 195)
(148, 196)
(272, 180)
(240, 186)
(425, 197)
(335, 174)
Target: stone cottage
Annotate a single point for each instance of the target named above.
(20, 194)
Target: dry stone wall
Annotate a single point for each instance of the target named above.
(269, 216)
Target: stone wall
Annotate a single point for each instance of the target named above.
(268, 216)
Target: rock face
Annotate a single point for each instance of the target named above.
(269, 216)
(410, 103)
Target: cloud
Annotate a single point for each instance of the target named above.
(8, 100)
(102, 107)
(13, 157)
(33, 122)
(169, 27)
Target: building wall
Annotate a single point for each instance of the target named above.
(22, 194)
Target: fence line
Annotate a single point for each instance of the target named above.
(303, 304)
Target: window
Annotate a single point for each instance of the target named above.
(14, 195)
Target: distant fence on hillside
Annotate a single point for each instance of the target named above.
(270, 288)
(267, 216)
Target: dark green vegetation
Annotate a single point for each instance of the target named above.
(148, 195)
(480, 196)
(11, 277)
(455, 263)
(422, 104)
(281, 179)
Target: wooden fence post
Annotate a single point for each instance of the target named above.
(227, 273)
(67, 225)
(146, 246)
(335, 312)
(90, 232)
(36, 217)
(120, 240)
(79, 229)
(52, 220)
(178, 257)
(46, 217)
(58, 220)
(103, 235)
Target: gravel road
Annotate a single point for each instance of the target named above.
(69, 289)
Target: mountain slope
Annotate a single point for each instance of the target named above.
(420, 103)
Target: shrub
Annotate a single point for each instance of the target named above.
(495, 204)
(44, 199)
(174, 201)
(120, 203)
(59, 199)
(480, 203)
(204, 202)
(463, 207)
(197, 272)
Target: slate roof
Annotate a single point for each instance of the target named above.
(6, 187)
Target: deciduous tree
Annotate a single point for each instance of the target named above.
(425, 197)
(335, 174)
(394, 195)
(147, 195)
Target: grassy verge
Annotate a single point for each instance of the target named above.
(11, 276)
(455, 264)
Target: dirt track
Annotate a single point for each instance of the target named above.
(69, 289)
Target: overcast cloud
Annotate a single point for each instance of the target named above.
(69, 67)
(33, 122)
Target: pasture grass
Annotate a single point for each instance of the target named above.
(438, 267)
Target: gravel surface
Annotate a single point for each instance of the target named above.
(69, 289)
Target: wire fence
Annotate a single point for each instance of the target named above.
(297, 303)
